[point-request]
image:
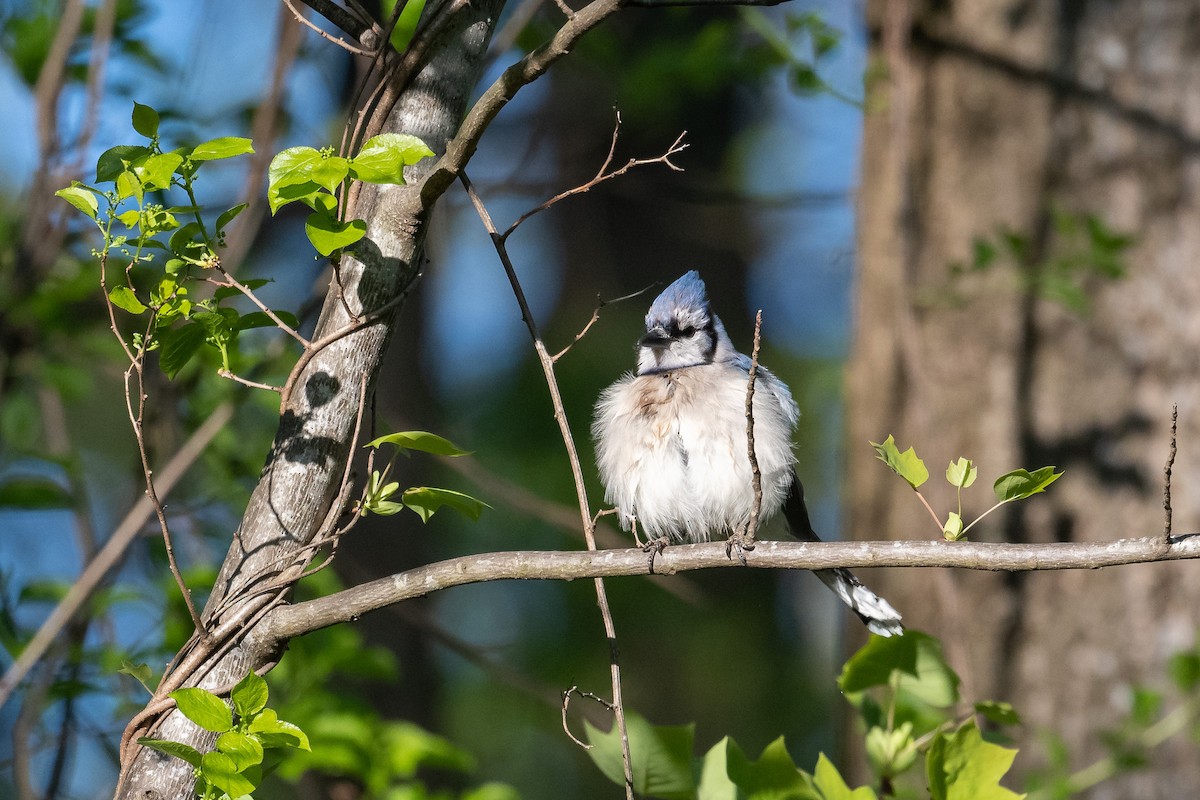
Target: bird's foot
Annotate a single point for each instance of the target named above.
(741, 542)
(654, 547)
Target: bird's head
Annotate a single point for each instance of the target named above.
(681, 330)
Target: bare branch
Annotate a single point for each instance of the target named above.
(560, 415)
(224, 373)
(335, 14)
(1167, 513)
(604, 174)
(755, 473)
(301, 618)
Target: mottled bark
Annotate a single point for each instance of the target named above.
(317, 421)
(1000, 114)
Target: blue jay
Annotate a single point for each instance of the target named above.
(671, 441)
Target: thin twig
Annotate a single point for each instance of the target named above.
(224, 373)
(560, 415)
(604, 174)
(337, 15)
(1167, 512)
(233, 282)
(114, 547)
(339, 41)
(135, 419)
(755, 473)
(600, 303)
(566, 703)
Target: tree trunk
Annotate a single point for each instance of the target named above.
(998, 118)
(304, 470)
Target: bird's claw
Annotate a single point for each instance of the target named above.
(741, 543)
(654, 547)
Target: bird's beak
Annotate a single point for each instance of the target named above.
(655, 338)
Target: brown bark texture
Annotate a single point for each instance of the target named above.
(996, 117)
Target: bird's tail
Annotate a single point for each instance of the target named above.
(875, 612)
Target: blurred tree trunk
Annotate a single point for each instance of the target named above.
(1002, 121)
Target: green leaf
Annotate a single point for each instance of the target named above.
(249, 696)
(116, 160)
(330, 171)
(998, 712)
(952, 531)
(774, 776)
(662, 757)
(221, 147)
(891, 752)
(905, 464)
(228, 216)
(962, 473)
(293, 166)
(259, 319)
(156, 171)
(273, 732)
(1021, 483)
(123, 297)
(426, 501)
(81, 198)
(128, 185)
(1184, 669)
(714, 782)
(203, 708)
(244, 751)
(222, 772)
(832, 786)
(177, 749)
(491, 791)
(383, 157)
(875, 661)
(327, 234)
(139, 672)
(307, 192)
(179, 345)
(962, 766)
(420, 440)
(145, 120)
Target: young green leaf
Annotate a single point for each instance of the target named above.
(244, 751)
(426, 501)
(952, 531)
(874, 662)
(662, 757)
(203, 708)
(384, 157)
(997, 712)
(145, 120)
(293, 166)
(221, 147)
(273, 732)
(330, 171)
(116, 160)
(156, 171)
(81, 198)
(249, 696)
(327, 234)
(962, 473)
(139, 672)
(228, 216)
(179, 345)
(123, 297)
(905, 464)
(962, 766)
(1021, 483)
(419, 440)
(833, 786)
(772, 775)
(222, 772)
(891, 752)
(177, 749)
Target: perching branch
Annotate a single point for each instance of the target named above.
(302, 618)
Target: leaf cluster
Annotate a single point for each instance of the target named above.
(245, 731)
(905, 695)
(425, 501)
(961, 474)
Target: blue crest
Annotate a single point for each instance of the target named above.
(687, 293)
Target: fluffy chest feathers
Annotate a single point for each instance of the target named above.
(671, 448)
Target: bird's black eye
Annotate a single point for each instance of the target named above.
(687, 331)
